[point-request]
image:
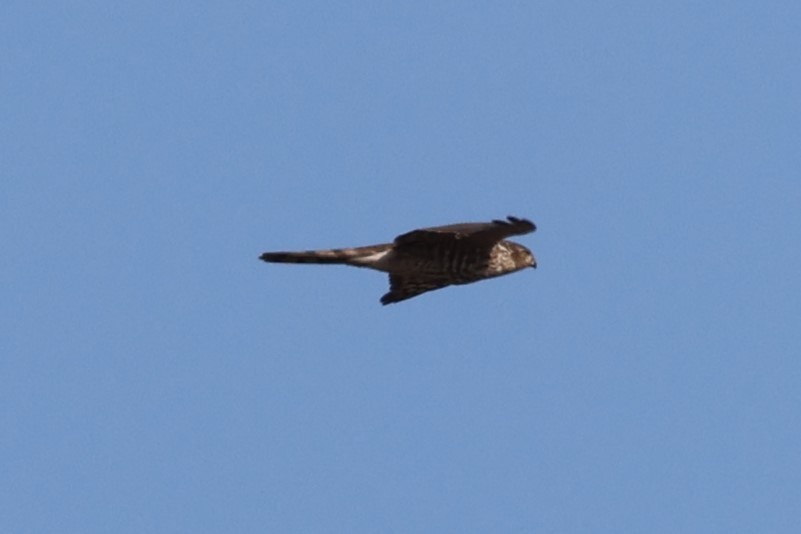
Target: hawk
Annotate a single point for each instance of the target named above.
(432, 258)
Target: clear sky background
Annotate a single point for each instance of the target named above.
(155, 376)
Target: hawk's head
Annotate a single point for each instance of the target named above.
(521, 256)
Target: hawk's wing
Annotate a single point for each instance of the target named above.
(477, 233)
(404, 286)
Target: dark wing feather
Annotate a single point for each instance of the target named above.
(402, 287)
(479, 233)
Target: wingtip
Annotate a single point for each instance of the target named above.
(518, 220)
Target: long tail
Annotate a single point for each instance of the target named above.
(359, 256)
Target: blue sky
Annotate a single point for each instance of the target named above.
(156, 377)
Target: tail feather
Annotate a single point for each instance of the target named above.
(337, 256)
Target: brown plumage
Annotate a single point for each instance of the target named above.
(432, 258)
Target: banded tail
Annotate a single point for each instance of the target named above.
(358, 257)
